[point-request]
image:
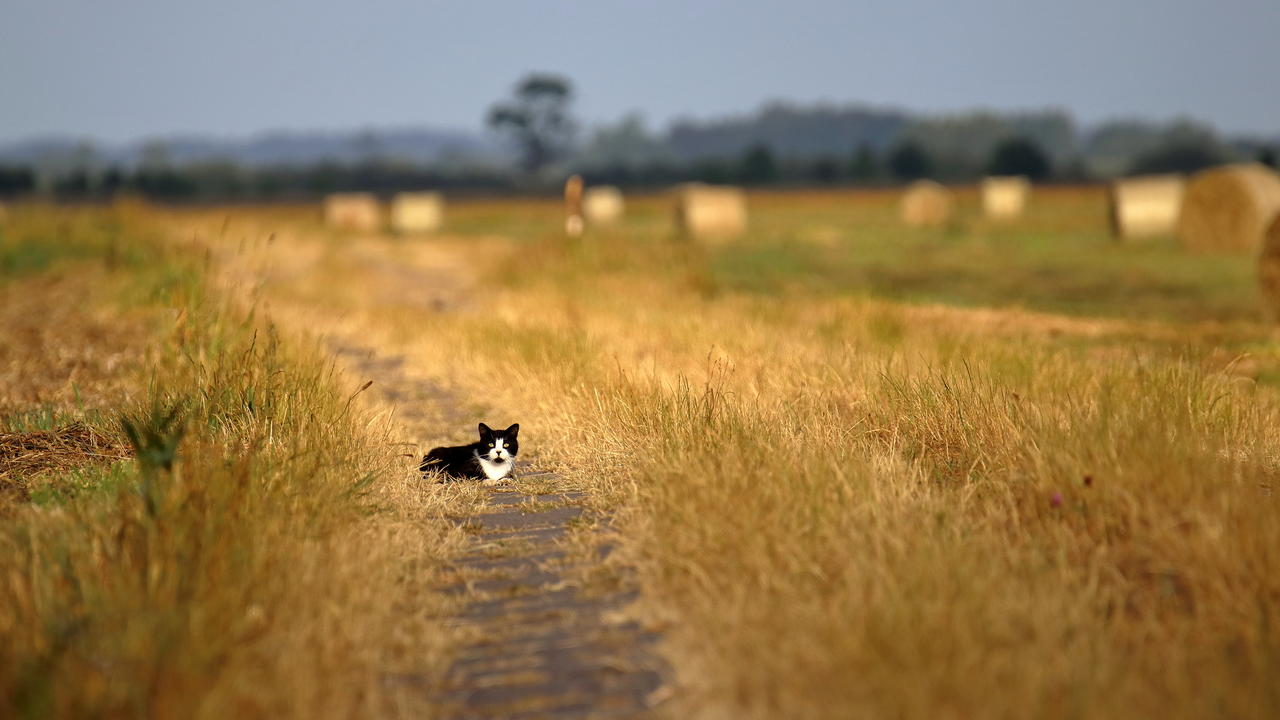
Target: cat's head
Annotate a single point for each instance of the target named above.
(499, 446)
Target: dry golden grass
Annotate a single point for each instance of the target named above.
(850, 506)
(842, 500)
(281, 564)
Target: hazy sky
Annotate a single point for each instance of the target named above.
(120, 69)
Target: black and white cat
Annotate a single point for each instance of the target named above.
(492, 459)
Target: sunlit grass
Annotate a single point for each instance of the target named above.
(261, 555)
(846, 498)
(988, 471)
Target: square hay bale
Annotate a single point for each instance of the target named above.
(353, 211)
(1147, 206)
(417, 212)
(709, 212)
(602, 205)
(1004, 198)
(926, 203)
(1228, 208)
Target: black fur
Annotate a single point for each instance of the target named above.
(461, 462)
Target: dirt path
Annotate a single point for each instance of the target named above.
(545, 606)
(544, 621)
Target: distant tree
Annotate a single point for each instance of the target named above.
(74, 184)
(909, 161)
(1267, 156)
(758, 166)
(15, 180)
(1116, 148)
(112, 180)
(538, 119)
(864, 166)
(626, 144)
(825, 170)
(711, 170)
(1019, 156)
(1183, 156)
(161, 183)
(221, 179)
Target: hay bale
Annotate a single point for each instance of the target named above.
(1003, 198)
(926, 203)
(709, 212)
(1227, 208)
(417, 212)
(353, 211)
(1269, 267)
(1147, 206)
(602, 205)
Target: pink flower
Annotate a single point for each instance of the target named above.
(1056, 500)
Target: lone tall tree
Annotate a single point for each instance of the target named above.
(538, 119)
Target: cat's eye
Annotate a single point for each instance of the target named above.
(490, 444)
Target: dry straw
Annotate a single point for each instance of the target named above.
(602, 205)
(926, 203)
(1004, 198)
(417, 212)
(353, 211)
(1269, 268)
(1227, 208)
(1143, 207)
(708, 212)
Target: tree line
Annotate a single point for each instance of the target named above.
(780, 145)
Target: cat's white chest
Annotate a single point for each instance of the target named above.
(495, 470)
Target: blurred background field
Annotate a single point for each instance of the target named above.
(1060, 257)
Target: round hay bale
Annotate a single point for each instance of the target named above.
(417, 212)
(1269, 268)
(710, 212)
(602, 205)
(1227, 208)
(1004, 197)
(1147, 206)
(926, 203)
(353, 211)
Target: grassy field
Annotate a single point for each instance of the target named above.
(192, 521)
(987, 471)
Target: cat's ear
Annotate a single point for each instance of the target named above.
(484, 430)
(513, 430)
